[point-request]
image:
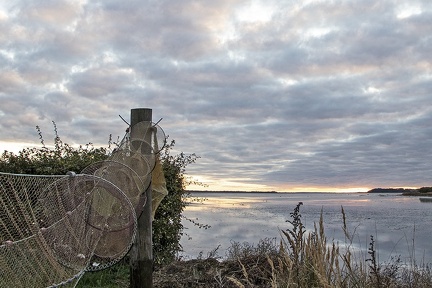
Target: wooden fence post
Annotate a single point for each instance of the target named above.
(141, 254)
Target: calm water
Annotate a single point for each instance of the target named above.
(400, 225)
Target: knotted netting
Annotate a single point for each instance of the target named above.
(55, 228)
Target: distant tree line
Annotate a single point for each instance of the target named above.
(400, 190)
(425, 189)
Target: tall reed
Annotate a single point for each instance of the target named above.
(308, 259)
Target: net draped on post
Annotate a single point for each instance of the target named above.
(53, 229)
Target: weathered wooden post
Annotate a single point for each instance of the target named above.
(141, 254)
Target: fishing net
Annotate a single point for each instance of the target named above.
(55, 228)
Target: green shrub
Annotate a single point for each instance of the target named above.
(167, 225)
(62, 157)
(51, 161)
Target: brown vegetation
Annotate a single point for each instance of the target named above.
(301, 259)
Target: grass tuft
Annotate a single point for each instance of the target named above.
(301, 259)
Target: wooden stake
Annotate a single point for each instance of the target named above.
(141, 254)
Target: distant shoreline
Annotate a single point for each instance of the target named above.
(424, 191)
(390, 190)
(415, 193)
(269, 192)
(213, 191)
(402, 191)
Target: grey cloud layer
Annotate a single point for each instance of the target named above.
(327, 93)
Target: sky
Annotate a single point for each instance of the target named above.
(271, 95)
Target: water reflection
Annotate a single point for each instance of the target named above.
(394, 221)
(221, 203)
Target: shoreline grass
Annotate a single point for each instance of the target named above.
(310, 260)
(301, 259)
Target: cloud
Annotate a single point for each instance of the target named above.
(271, 95)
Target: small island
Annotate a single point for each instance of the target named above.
(423, 191)
(389, 190)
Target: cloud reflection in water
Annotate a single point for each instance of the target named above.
(249, 217)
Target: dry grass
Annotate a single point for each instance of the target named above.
(309, 260)
(302, 259)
